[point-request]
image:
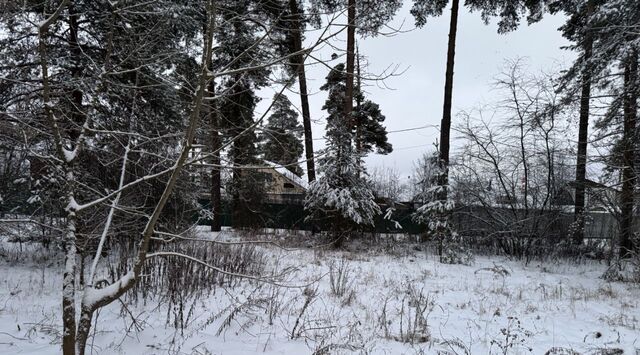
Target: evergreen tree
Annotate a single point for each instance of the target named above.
(367, 130)
(605, 34)
(112, 88)
(577, 85)
(370, 134)
(509, 11)
(436, 216)
(240, 47)
(421, 10)
(342, 193)
(616, 49)
(283, 135)
(292, 26)
(367, 16)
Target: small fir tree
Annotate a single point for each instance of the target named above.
(283, 136)
(342, 194)
(435, 213)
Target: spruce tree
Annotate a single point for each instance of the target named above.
(342, 193)
(283, 135)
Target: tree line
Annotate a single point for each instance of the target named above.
(110, 108)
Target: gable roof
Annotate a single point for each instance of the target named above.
(300, 181)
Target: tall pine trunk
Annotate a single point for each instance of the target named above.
(304, 96)
(216, 186)
(445, 125)
(583, 133)
(628, 158)
(347, 146)
(351, 41)
(358, 132)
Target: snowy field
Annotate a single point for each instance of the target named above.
(401, 302)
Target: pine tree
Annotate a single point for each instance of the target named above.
(240, 46)
(342, 193)
(368, 132)
(283, 135)
(367, 16)
(619, 31)
(509, 12)
(613, 69)
(293, 26)
(421, 10)
(576, 83)
(371, 134)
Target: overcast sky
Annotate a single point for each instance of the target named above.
(414, 99)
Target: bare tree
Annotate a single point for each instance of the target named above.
(510, 171)
(387, 184)
(76, 331)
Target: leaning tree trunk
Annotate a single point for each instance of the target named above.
(628, 158)
(304, 96)
(583, 133)
(445, 125)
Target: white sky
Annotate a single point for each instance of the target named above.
(414, 99)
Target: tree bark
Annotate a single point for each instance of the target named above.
(76, 70)
(215, 193)
(358, 132)
(304, 96)
(351, 41)
(69, 239)
(68, 280)
(84, 328)
(629, 139)
(583, 133)
(445, 125)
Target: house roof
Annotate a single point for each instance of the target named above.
(591, 184)
(298, 180)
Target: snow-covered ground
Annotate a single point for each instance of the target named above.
(391, 304)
